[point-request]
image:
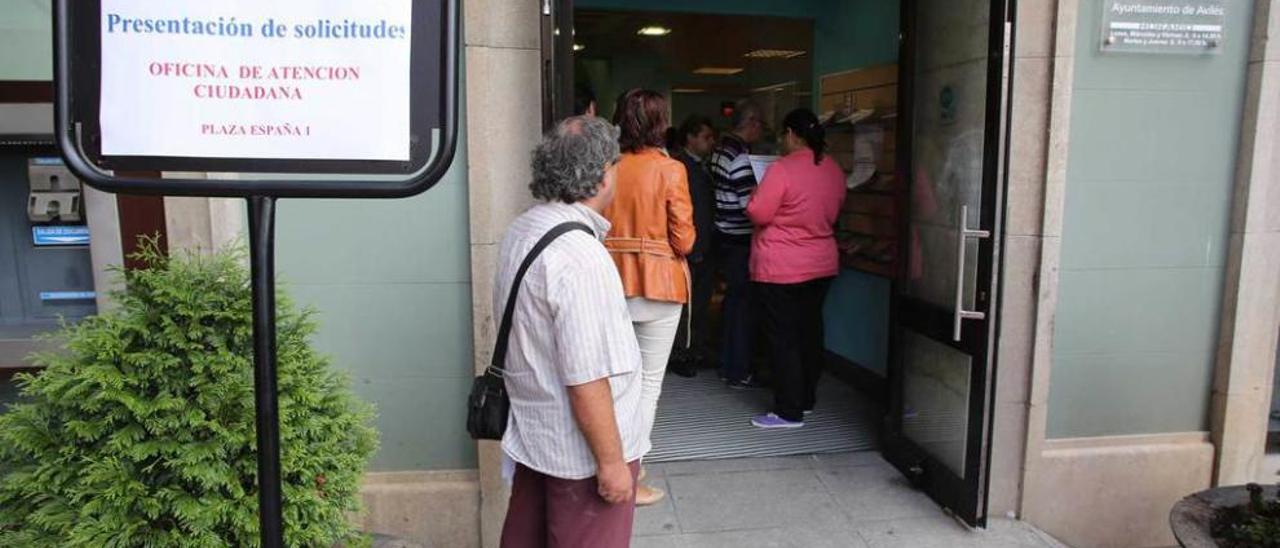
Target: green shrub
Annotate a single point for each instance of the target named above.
(141, 433)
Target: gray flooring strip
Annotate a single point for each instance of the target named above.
(701, 418)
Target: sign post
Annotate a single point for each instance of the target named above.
(282, 96)
(262, 260)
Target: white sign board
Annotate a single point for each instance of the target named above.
(298, 79)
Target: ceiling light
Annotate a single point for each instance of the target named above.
(719, 71)
(773, 54)
(775, 87)
(688, 90)
(654, 30)
(579, 47)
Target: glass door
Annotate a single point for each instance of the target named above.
(954, 69)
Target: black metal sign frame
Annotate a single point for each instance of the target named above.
(434, 68)
(433, 110)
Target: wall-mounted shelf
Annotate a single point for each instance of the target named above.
(871, 219)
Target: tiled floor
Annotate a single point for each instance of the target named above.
(852, 500)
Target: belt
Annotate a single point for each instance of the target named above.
(642, 246)
(656, 248)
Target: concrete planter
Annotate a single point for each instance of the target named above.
(1192, 516)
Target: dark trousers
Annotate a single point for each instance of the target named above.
(738, 314)
(793, 324)
(694, 333)
(547, 512)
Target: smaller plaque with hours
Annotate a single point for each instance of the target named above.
(1194, 27)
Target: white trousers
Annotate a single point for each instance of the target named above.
(656, 323)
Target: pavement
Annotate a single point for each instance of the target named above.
(851, 500)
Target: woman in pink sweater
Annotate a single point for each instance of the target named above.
(793, 260)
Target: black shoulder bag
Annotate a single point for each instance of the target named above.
(489, 406)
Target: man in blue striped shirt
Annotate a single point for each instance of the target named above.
(735, 181)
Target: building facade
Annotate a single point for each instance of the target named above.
(1139, 266)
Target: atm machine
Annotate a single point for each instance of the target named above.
(46, 275)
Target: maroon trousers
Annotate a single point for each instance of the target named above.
(547, 512)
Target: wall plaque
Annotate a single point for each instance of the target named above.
(1188, 27)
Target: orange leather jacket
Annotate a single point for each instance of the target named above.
(652, 217)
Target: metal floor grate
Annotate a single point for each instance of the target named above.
(700, 418)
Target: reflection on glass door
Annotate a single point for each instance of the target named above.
(953, 65)
(948, 145)
(935, 400)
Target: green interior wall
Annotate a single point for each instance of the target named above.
(1149, 182)
(857, 320)
(854, 34)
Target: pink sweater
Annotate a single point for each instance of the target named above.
(795, 210)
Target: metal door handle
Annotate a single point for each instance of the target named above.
(963, 233)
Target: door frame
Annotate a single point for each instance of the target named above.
(967, 497)
(557, 96)
(557, 62)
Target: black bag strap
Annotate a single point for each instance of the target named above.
(504, 332)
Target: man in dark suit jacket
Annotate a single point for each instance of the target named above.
(694, 141)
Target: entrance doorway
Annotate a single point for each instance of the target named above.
(918, 120)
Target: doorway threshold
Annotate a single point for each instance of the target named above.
(700, 418)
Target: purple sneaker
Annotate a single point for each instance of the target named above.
(773, 421)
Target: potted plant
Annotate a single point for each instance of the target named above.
(141, 431)
(1245, 516)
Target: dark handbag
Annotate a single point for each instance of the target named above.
(489, 406)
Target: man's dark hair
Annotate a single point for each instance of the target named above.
(691, 127)
(583, 98)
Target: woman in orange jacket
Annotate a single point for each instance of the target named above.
(652, 232)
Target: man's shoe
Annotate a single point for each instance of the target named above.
(770, 421)
(648, 496)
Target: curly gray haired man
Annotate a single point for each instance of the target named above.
(570, 162)
(573, 363)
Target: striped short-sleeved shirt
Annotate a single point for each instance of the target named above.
(735, 181)
(570, 327)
